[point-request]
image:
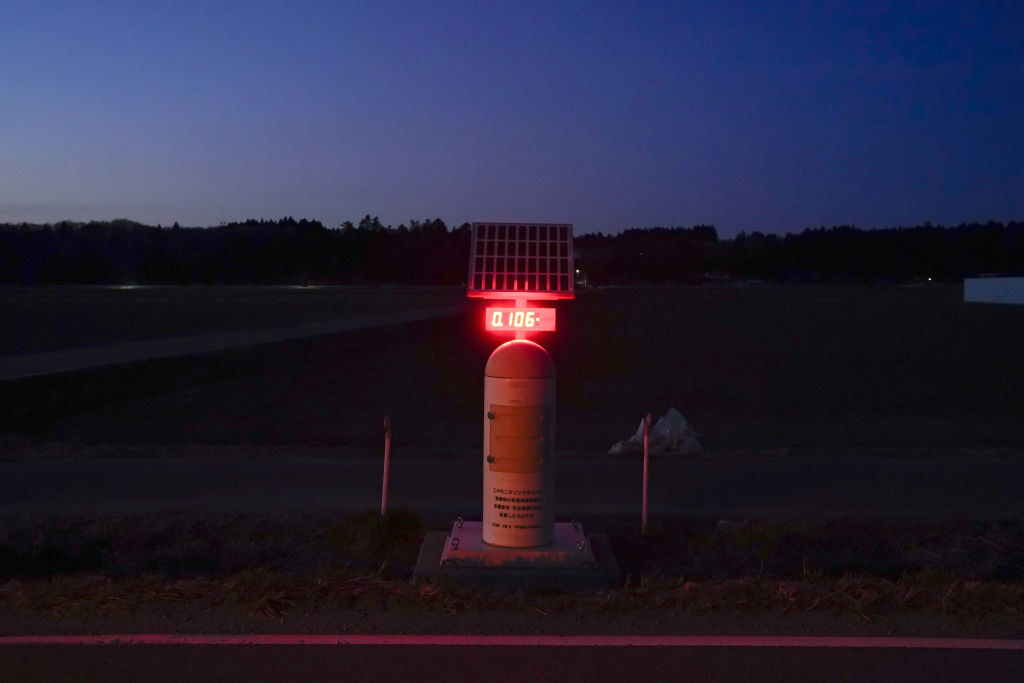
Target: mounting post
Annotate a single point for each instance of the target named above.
(643, 508)
(387, 466)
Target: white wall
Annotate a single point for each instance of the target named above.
(994, 290)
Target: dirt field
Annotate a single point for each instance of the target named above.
(800, 370)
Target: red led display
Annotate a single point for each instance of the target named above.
(519, 319)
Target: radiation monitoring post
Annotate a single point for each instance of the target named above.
(515, 264)
(517, 541)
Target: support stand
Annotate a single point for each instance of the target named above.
(574, 561)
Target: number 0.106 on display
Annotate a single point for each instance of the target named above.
(526, 319)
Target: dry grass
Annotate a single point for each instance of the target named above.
(887, 548)
(274, 567)
(264, 594)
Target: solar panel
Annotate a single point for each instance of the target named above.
(521, 260)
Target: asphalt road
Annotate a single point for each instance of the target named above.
(450, 484)
(459, 663)
(67, 360)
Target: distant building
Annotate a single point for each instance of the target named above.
(994, 290)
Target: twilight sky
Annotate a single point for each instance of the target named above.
(763, 116)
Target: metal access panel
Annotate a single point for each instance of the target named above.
(521, 260)
(517, 439)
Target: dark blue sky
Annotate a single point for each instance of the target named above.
(750, 116)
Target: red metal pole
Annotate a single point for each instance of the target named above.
(643, 512)
(387, 466)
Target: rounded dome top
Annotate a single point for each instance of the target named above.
(520, 359)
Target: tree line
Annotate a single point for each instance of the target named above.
(259, 252)
(289, 251)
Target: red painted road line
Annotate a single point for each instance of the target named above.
(521, 641)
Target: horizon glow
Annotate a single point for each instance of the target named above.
(740, 115)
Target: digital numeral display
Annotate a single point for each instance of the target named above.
(526, 319)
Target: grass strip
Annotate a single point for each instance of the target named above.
(275, 566)
(264, 594)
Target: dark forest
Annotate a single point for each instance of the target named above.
(289, 251)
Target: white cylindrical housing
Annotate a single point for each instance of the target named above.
(519, 446)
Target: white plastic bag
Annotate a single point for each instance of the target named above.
(671, 434)
(670, 430)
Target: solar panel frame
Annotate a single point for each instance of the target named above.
(521, 261)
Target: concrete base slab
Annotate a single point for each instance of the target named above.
(604, 573)
(466, 548)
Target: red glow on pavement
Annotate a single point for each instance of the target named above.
(518, 641)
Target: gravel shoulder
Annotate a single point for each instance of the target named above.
(443, 485)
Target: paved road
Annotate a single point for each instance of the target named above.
(28, 365)
(451, 484)
(459, 663)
